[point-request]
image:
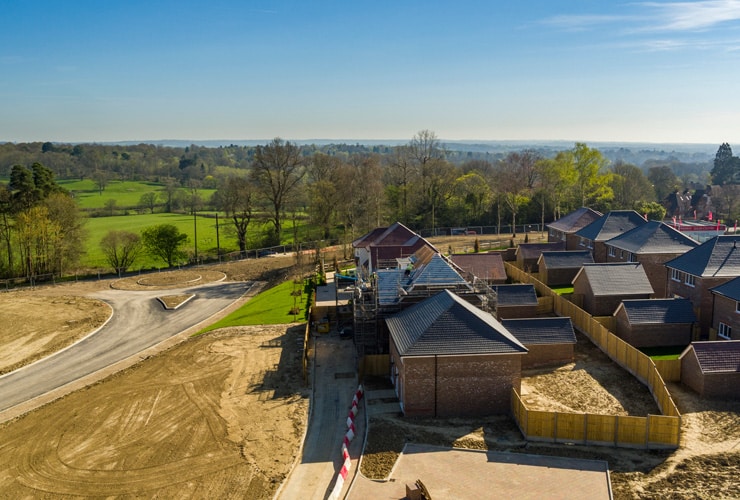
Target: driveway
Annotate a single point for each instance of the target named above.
(139, 322)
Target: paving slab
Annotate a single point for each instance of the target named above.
(473, 474)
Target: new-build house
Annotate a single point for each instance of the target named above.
(655, 322)
(694, 274)
(564, 228)
(449, 358)
(726, 310)
(712, 369)
(602, 287)
(381, 247)
(528, 254)
(486, 267)
(651, 244)
(560, 268)
(594, 236)
(550, 341)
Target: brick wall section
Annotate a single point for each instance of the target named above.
(547, 355)
(700, 297)
(558, 277)
(721, 385)
(724, 311)
(653, 335)
(691, 375)
(513, 312)
(599, 251)
(464, 385)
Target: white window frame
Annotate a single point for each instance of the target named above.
(690, 280)
(612, 251)
(632, 258)
(737, 306)
(724, 331)
(676, 275)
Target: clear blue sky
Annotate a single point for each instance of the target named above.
(488, 70)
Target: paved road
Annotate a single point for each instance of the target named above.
(139, 321)
(335, 384)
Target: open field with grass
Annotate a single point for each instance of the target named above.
(125, 193)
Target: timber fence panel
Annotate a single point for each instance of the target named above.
(632, 432)
(670, 369)
(570, 427)
(541, 425)
(601, 429)
(663, 431)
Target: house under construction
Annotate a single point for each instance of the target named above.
(410, 280)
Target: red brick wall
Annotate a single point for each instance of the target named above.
(700, 297)
(513, 312)
(547, 355)
(558, 277)
(724, 311)
(722, 385)
(691, 375)
(464, 385)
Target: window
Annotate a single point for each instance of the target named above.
(737, 307)
(612, 252)
(689, 279)
(675, 275)
(632, 257)
(582, 242)
(724, 331)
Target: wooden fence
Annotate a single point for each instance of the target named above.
(631, 359)
(653, 431)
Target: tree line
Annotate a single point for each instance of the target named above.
(341, 190)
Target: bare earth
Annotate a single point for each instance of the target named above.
(222, 415)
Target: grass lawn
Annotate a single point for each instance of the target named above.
(667, 352)
(562, 290)
(271, 307)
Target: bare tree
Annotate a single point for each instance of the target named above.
(235, 198)
(277, 171)
(121, 249)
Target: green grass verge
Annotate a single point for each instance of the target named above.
(271, 307)
(666, 352)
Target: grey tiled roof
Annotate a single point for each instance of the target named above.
(537, 331)
(520, 294)
(485, 266)
(731, 289)
(534, 250)
(445, 324)
(566, 260)
(716, 257)
(652, 311)
(653, 237)
(617, 278)
(436, 272)
(611, 224)
(718, 356)
(575, 220)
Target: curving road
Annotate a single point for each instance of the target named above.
(139, 321)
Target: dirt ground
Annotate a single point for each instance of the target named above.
(222, 415)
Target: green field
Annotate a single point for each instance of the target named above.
(125, 193)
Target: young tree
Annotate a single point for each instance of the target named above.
(148, 201)
(121, 249)
(164, 241)
(277, 171)
(235, 197)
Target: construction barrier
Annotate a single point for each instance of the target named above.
(348, 437)
(628, 357)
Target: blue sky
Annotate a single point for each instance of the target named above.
(480, 70)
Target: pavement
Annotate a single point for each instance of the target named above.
(449, 473)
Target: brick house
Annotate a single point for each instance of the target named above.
(652, 244)
(518, 300)
(550, 341)
(655, 322)
(528, 254)
(712, 369)
(564, 228)
(594, 236)
(449, 358)
(486, 267)
(726, 310)
(381, 247)
(693, 275)
(601, 287)
(559, 268)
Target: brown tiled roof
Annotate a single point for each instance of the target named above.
(718, 356)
